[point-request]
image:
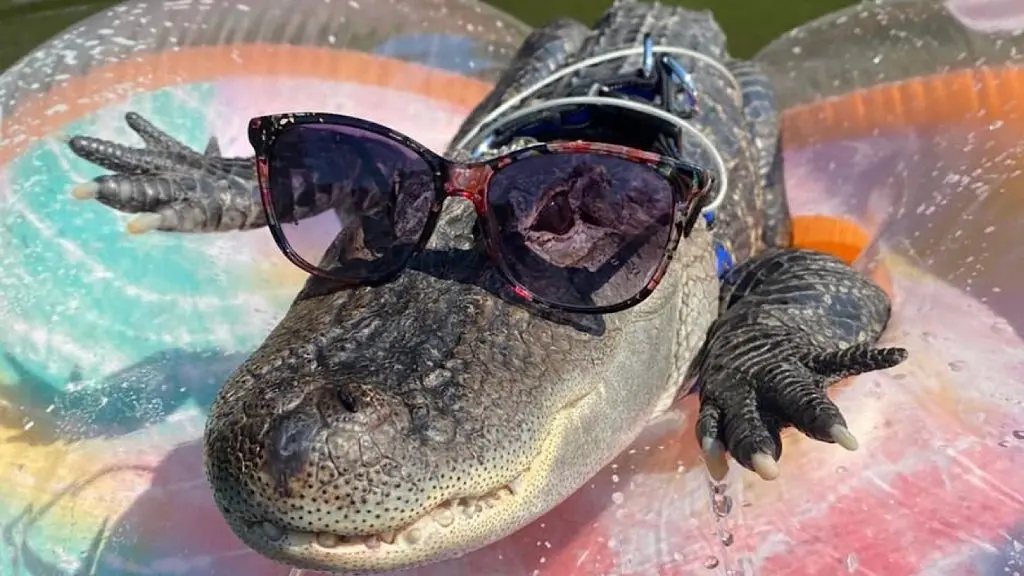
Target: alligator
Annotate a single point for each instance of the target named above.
(385, 427)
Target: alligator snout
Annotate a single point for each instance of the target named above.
(385, 421)
(338, 453)
(343, 430)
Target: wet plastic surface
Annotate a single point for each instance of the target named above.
(906, 117)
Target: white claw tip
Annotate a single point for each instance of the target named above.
(765, 466)
(844, 437)
(85, 191)
(714, 458)
(144, 223)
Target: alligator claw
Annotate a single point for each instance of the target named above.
(748, 419)
(146, 222)
(212, 147)
(794, 323)
(169, 185)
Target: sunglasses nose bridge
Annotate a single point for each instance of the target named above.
(469, 181)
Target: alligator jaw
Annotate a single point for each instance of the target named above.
(450, 529)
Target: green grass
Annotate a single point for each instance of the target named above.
(25, 25)
(749, 23)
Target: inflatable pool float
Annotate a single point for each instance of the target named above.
(902, 153)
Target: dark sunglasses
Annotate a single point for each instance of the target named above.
(574, 226)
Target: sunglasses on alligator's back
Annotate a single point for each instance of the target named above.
(575, 226)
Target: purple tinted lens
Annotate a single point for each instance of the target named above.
(581, 229)
(353, 203)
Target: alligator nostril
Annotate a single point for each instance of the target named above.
(348, 400)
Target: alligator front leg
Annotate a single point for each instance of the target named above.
(792, 323)
(168, 185)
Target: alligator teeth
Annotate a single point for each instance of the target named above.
(516, 485)
(272, 531)
(373, 542)
(328, 540)
(443, 517)
(470, 507)
(388, 537)
(413, 536)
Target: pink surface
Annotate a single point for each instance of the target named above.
(988, 15)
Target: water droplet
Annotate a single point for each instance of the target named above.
(1018, 434)
(957, 365)
(726, 538)
(1001, 327)
(852, 563)
(711, 562)
(841, 470)
(1004, 443)
(722, 505)
(618, 497)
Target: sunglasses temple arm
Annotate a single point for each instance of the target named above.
(695, 204)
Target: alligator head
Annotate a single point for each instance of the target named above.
(386, 427)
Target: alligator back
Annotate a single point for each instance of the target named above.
(736, 108)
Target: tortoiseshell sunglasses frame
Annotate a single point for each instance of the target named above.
(690, 185)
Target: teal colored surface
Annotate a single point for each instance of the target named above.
(147, 287)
